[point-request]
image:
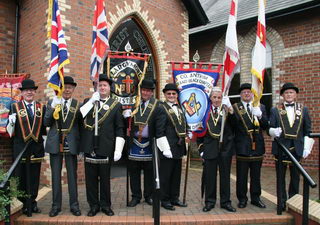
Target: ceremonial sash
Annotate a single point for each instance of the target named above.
(291, 131)
(27, 131)
(214, 124)
(68, 121)
(103, 113)
(142, 118)
(246, 119)
(178, 122)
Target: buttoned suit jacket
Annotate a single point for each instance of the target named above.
(305, 130)
(73, 137)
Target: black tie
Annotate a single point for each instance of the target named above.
(30, 112)
(290, 105)
(142, 106)
(248, 109)
(65, 108)
(215, 110)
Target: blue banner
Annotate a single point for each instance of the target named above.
(195, 86)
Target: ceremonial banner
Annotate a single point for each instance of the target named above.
(195, 85)
(9, 93)
(259, 56)
(59, 51)
(126, 70)
(231, 59)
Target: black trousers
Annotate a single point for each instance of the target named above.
(135, 168)
(243, 168)
(170, 179)
(21, 173)
(211, 166)
(56, 161)
(294, 181)
(98, 181)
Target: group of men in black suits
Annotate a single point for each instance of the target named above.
(75, 132)
(244, 123)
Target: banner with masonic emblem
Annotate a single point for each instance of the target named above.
(195, 85)
(126, 70)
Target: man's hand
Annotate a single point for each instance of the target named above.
(95, 97)
(55, 101)
(256, 111)
(226, 102)
(126, 113)
(275, 132)
(12, 118)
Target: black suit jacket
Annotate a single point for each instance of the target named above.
(242, 140)
(305, 130)
(177, 144)
(36, 148)
(156, 124)
(210, 145)
(109, 129)
(73, 136)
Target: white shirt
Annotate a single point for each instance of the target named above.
(68, 103)
(290, 112)
(174, 107)
(245, 105)
(214, 107)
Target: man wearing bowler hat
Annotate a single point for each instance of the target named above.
(100, 151)
(291, 123)
(170, 167)
(26, 120)
(64, 130)
(248, 123)
(147, 123)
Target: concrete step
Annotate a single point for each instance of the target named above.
(208, 219)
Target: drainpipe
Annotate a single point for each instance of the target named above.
(16, 36)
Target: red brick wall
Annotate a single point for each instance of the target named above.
(7, 31)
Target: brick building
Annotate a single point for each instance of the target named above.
(293, 51)
(157, 27)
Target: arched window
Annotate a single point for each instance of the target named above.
(130, 31)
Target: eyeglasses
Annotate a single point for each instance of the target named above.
(171, 93)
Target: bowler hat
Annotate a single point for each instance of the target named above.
(170, 86)
(244, 86)
(148, 84)
(69, 80)
(287, 86)
(28, 84)
(103, 77)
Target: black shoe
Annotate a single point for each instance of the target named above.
(75, 212)
(108, 211)
(133, 202)
(242, 205)
(149, 201)
(283, 206)
(168, 206)
(93, 212)
(179, 203)
(54, 212)
(228, 207)
(208, 207)
(259, 204)
(35, 209)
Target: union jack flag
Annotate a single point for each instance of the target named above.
(59, 51)
(100, 42)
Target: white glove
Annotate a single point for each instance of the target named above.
(226, 101)
(127, 113)
(201, 154)
(256, 111)
(190, 135)
(118, 149)
(307, 147)
(164, 146)
(275, 132)
(12, 118)
(55, 101)
(95, 97)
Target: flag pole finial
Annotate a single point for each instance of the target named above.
(196, 57)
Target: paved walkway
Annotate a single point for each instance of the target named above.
(194, 201)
